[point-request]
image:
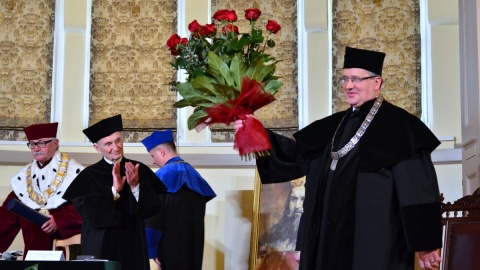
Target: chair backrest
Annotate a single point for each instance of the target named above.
(461, 220)
(66, 243)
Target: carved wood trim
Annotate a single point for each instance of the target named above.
(464, 208)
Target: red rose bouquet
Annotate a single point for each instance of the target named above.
(229, 75)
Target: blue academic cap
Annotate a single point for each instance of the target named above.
(157, 137)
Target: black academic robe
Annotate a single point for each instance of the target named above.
(181, 246)
(378, 207)
(115, 229)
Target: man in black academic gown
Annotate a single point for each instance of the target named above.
(372, 199)
(114, 196)
(176, 235)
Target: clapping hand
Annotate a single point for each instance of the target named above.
(131, 174)
(118, 182)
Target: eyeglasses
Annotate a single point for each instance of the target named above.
(354, 80)
(40, 144)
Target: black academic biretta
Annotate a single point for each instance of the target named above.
(104, 128)
(365, 59)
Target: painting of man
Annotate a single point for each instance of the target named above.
(281, 207)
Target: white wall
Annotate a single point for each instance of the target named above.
(443, 86)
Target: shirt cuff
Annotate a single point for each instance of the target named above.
(136, 192)
(115, 194)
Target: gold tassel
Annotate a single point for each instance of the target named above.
(255, 155)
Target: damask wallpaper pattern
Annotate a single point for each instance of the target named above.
(282, 114)
(26, 49)
(126, 79)
(391, 26)
(130, 64)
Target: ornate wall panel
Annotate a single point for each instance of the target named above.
(130, 64)
(282, 114)
(26, 48)
(391, 26)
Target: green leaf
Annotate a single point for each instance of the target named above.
(218, 69)
(229, 92)
(180, 62)
(181, 103)
(204, 84)
(238, 69)
(273, 86)
(247, 40)
(244, 41)
(193, 96)
(32, 267)
(218, 44)
(270, 43)
(184, 103)
(264, 72)
(195, 117)
(257, 36)
(234, 46)
(254, 71)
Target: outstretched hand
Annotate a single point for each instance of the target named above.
(240, 123)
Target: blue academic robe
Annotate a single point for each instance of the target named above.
(176, 234)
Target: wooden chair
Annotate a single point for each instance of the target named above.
(461, 220)
(66, 243)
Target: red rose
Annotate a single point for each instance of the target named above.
(184, 41)
(194, 26)
(225, 15)
(273, 26)
(173, 42)
(208, 30)
(229, 28)
(220, 15)
(231, 16)
(252, 14)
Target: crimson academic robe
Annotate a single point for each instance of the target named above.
(378, 207)
(68, 221)
(115, 229)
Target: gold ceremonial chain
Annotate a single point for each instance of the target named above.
(41, 198)
(354, 140)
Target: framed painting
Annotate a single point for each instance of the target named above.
(276, 216)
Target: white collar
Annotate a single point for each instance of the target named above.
(111, 162)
